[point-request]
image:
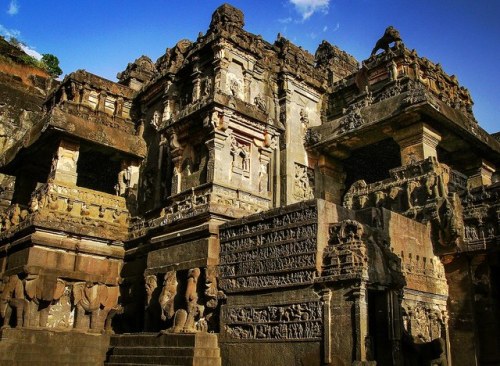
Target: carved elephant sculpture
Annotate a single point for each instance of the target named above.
(12, 296)
(94, 301)
(167, 295)
(42, 292)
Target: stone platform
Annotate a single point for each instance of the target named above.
(200, 349)
(37, 347)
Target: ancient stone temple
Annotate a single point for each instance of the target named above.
(240, 202)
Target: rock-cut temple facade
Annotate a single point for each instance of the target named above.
(240, 202)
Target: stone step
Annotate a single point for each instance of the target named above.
(40, 347)
(49, 358)
(167, 351)
(132, 364)
(45, 363)
(204, 340)
(165, 360)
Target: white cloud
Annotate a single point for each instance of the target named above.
(285, 20)
(325, 28)
(14, 33)
(337, 27)
(31, 51)
(9, 33)
(308, 7)
(13, 7)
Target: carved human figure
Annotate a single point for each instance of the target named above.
(124, 178)
(304, 120)
(260, 102)
(155, 121)
(241, 155)
(263, 177)
(234, 87)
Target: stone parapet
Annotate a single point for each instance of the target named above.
(79, 210)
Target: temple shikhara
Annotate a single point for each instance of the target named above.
(241, 202)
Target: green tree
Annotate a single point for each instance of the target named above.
(52, 64)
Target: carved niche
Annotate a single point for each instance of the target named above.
(240, 152)
(284, 321)
(303, 185)
(346, 256)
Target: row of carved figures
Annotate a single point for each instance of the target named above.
(405, 194)
(29, 302)
(14, 215)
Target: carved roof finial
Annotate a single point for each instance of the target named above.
(227, 15)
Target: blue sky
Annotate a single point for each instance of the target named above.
(103, 36)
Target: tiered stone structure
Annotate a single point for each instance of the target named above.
(306, 210)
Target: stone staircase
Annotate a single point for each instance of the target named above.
(198, 349)
(41, 347)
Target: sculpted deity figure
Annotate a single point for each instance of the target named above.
(124, 178)
(155, 121)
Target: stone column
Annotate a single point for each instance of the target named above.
(264, 169)
(326, 297)
(196, 83)
(331, 183)
(64, 163)
(482, 176)
(220, 64)
(247, 80)
(417, 142)
(360, 321)
(101, 104)
(176, 150)
(217, 162)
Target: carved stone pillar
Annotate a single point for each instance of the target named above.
(84, 95)
(326, 297)
(247, 80)
(210, 144)
(101, 105)
(417, 142)
(360, 321)
(167, 103)
(64, 163)
(220, 67)
(482, 176)
(176, 176)
(176, 151)
(196, 84)
(330, 183)
(264, 169)
(219, 144)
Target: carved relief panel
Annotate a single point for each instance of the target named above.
(303, 184)
(285, 321)
(241, 156)
(280, 252)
